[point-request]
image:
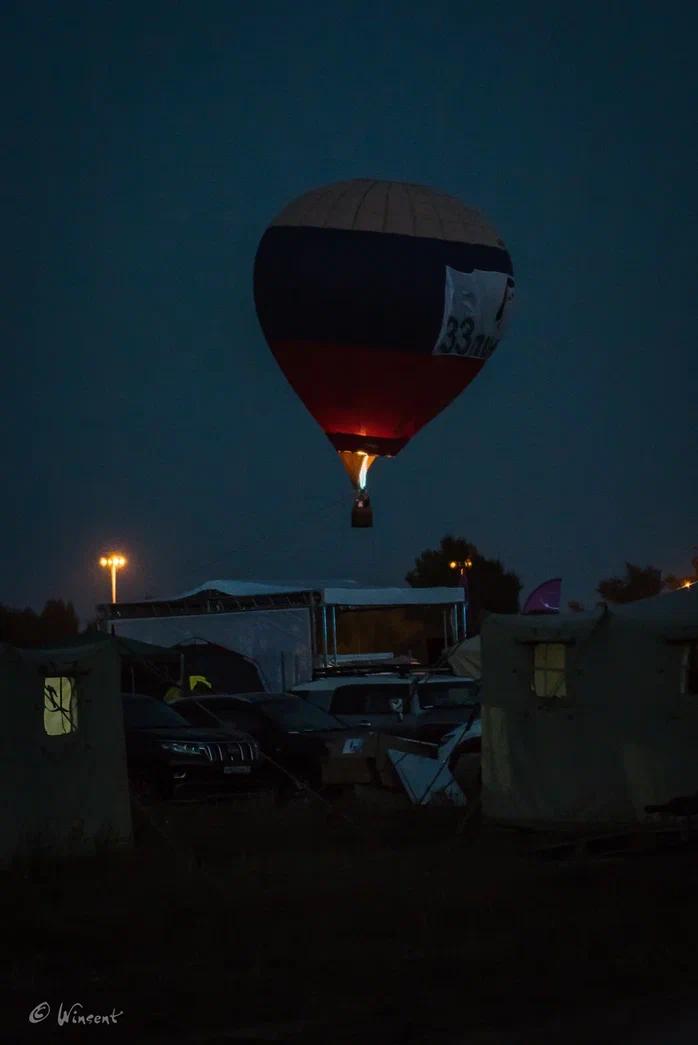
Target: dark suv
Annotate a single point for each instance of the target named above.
(168, 758)
(295, 735)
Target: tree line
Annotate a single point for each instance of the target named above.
(57, 622)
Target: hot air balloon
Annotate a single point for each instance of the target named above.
(381, 301)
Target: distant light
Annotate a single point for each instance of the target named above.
(114, 561)
(453, 565)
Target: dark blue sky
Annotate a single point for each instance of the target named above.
(146, 148)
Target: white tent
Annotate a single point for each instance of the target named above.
(588, 718)
(465, 658)
(63, 782)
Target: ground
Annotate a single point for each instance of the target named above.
(242, 922)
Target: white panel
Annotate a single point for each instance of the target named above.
(476, 307)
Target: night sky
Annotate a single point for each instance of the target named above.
(147, 146)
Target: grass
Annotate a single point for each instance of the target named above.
(379, 924)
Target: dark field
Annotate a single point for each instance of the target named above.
(245, 923)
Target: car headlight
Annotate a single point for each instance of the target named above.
(181, 747)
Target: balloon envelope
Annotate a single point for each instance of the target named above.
(381, 301)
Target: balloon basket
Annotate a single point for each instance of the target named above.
(361, 516)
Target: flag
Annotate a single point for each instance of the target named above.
(545, 598)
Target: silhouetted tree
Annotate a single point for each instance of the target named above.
(639, 582)
(491, 588)
(57, 622)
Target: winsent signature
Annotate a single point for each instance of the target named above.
(73, 1014)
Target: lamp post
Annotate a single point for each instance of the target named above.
(463, 565)
(112, 562)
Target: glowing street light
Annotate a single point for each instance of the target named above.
(113, 562)
(462, 565)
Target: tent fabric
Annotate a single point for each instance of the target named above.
(622, 737)
(131, 648)
(675, 608)
(277, 641)
(62, 792)
(465, 658)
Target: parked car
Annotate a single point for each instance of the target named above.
(168, 758)
(295, 734)
(422, 706)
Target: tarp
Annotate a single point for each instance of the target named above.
(428, 780)
(465, 658)
(277, 640)
(620, 735)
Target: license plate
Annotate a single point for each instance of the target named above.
(237, 769)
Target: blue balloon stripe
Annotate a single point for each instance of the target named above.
(354, 287)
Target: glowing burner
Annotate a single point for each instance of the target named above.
(357, 464)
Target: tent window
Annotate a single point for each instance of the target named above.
(60, 705)
(689, 668)
(549, 669)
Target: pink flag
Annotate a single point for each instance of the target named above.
(545, 598)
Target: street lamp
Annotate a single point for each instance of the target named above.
(463, 565)
(113, 562)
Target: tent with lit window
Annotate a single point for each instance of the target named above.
(63, 780)
(590, 717)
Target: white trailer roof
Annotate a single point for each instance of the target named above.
(392, 596)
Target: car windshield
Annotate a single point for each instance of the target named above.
(298, 716)
(447, 694)
(148, 713)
